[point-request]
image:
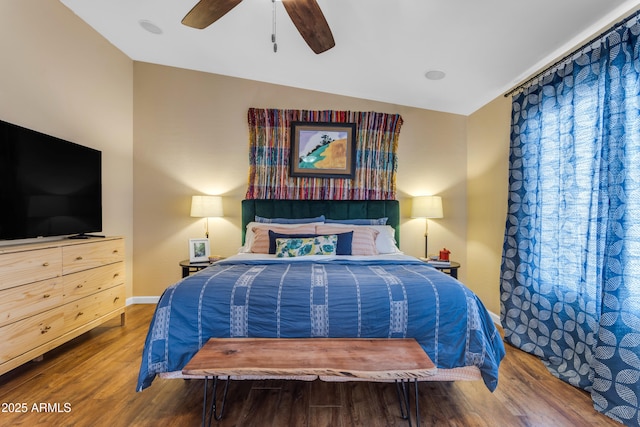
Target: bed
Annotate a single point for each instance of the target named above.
(323, 269)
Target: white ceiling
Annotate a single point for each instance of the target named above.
(383, 47)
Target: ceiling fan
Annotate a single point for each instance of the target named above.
(305, 14)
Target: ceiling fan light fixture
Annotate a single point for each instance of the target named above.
(150, 26)
(306, 15)
(435, 75)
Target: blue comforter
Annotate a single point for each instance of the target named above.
(340, 297)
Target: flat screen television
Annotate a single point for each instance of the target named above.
(48, 186)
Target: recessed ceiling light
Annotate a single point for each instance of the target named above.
(150, 26)
(435, 75)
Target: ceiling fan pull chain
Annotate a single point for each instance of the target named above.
(273, 33)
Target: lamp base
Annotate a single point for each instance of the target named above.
(426, 246)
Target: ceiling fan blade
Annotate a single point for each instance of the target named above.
(206, 12)
(311, 24)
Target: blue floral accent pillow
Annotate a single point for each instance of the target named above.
(302, 246)
(343, 247)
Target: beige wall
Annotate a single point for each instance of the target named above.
(487, 187)
(59, 77)
(191, 137)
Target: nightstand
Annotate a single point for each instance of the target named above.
(189, 267)
(451, 270)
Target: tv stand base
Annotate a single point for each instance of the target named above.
(85, 236)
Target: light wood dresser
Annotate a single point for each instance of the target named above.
(51, 292)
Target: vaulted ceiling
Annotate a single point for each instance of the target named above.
(383, 48)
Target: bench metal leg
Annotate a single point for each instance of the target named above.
(213, 410)
(403, 389)
(415, 385)
(403, 399)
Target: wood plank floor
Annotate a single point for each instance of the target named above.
(91, 381)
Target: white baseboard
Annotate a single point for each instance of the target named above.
(495, 318)
(142, 300)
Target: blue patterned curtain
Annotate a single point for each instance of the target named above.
(570, 275)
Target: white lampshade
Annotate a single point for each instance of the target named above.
(206, 206)
(426, 207)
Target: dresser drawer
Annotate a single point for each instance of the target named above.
(18, 268)
(23, 335)
(90, 255)
(27, 300)
(87, 309)
(87, 282)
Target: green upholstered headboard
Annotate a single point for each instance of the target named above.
(334, 209)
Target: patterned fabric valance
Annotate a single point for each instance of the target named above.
(269, 147)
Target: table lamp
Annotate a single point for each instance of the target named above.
(426, 207)
(206, 207)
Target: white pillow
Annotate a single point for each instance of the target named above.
(386, 241)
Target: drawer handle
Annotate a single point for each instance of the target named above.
(115, 251)
(80, 286)
(79, 258)
(46, 295)
(116, 299)
(45, 264)
(45, 330)
(80, 313)
(116, 275)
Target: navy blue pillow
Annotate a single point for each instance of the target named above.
(373, 221)
(289, 220)
(343, 247)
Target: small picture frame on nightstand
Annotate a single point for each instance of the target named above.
(199, 250)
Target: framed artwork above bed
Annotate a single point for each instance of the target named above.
(323, 149)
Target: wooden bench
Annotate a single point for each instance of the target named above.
(399, 360)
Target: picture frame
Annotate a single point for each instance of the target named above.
(199, 250)
(323, 150)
